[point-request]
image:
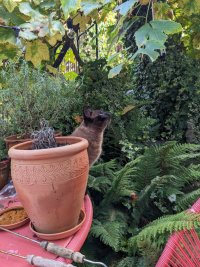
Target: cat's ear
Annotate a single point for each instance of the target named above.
(87, 113)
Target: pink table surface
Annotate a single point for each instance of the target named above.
(24, 247)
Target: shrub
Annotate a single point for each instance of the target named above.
(171, 85)
(129, 121)
(27, 95)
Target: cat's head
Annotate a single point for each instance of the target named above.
(96, 118)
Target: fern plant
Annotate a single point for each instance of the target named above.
(128, 201)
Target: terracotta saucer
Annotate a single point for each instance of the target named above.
(60, 235)
(13, 225)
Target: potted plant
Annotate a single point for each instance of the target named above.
(4, 165)
(50, 177)
(26, 94)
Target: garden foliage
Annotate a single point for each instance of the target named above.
(27, 95)
(129, 201)
(172, 88)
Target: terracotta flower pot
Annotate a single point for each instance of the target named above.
(4, 172)
(51, 183)
(13, 140)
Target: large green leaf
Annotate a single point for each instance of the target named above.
(16, 18)
(69, 6)
(151, 37)
(166, 26)
(88, 6)
(27, 10)
(27, 35)
(125, 7)
(36, 52)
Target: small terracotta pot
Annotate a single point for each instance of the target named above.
(51, 183)
(4, 172)
(18, 139)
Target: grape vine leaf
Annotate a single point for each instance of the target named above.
(36, 52)
(69, 6)
(26, 9)
(88, 6)
(9, 5)
(52, 40)
(7, 35)
(27, 35)
(125, 7)
(82, 20)
(152, 36)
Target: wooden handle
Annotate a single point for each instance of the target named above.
(43, 262)
(63, 252)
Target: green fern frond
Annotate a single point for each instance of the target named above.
(166, 225)
(110, 233)
(104, 169)
(181, 151)
(100, 184)
(188, 199)
(121, 186)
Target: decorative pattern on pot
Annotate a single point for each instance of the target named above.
(51, 183)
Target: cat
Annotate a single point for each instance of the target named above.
(92, 128)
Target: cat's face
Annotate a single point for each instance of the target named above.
(96, 118)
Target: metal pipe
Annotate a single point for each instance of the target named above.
(14, 233)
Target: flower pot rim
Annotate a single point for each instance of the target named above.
(23, 151)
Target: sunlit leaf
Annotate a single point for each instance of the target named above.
(56, 26)
(88, 6)
(27, 35)
(69, 57)
(37, 2)
(53, 39)
(70, 5)
(10, 5)
(71, 75)
(144, 2)
(127, 109)
(82, 20)
(36, 52)
(27, 10)
(125, 7)
(52, 69)
(115, 71)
